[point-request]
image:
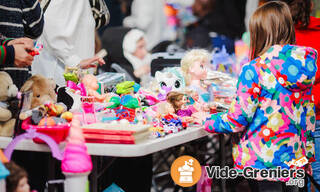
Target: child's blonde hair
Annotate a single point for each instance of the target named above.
(191, 57)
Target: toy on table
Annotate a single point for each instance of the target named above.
(171, 79)
(172, 124)
(76, 163)
(72, 74)
(194, 66)
(42, 90)
(126, 87)
(91, 84)
(7, 90)
(178, 102)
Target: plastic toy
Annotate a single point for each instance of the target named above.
(91, 84)
(125, 87)
(169, 80)
(194, 66)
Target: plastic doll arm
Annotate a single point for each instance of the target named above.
(62, 22)
(141, 14)
(242, 108)
(33, 20)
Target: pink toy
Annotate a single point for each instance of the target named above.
(76, 158)
(91, 84)
(78, 88)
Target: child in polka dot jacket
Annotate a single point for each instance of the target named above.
(273, 113)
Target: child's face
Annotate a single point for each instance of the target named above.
(141, 50)
(23, 185)
(199, 69)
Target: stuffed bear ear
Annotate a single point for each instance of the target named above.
(27, 86)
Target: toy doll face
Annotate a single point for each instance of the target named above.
(141, 49)
(23, 185)
(199, 70)
(182, 102)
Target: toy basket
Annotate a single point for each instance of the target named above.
(57, 132)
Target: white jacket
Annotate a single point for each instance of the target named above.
(68, 38)
(149, 16)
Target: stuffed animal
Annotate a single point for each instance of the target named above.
(171, 79)
(7, 90)
(42, 90)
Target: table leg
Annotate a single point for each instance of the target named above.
(51, 172)
(94, 174)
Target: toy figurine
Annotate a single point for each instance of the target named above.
(194, 67)
(171, 79)
(178, 102)
(91, 84)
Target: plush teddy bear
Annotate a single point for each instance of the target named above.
(43, 90)
(7, 91)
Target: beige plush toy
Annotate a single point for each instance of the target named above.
(42, 90)
(7, 90)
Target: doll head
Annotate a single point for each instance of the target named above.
(90, 82)
(194, 65)
(17, 181)
(177, 100)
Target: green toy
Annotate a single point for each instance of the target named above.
(125, 87)
(116, 102)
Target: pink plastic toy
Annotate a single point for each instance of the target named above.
(76, 158)
(91, 84)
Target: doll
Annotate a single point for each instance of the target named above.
(178, 102)
(171, 79)
(194, 67)
(91, 84)
(17, 181)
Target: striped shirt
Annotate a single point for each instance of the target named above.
(21, 18)
(6, 52)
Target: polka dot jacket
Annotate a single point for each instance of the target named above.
(273, 114)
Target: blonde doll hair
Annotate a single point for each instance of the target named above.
(191, 57)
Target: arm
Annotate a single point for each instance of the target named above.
(6, 54)
(242, 108)
(141, 14)
(32, 18)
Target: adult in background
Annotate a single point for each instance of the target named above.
(149, 16)
(68, 39)
(20, 18)
(220, 23)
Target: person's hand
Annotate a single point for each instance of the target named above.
(22, 58)
(26, 41)
(91, 63)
